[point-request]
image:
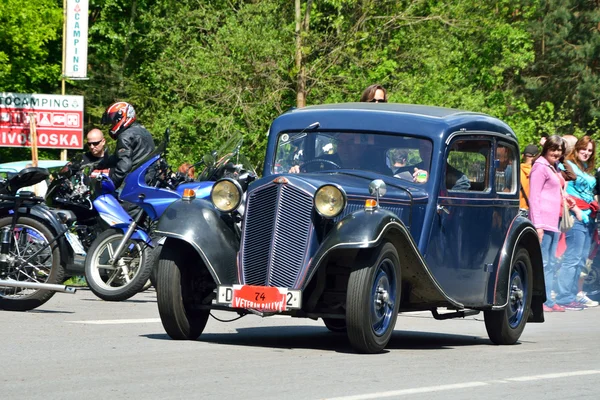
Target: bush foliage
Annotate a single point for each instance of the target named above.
(212, 69)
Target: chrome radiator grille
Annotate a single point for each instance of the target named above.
(276, 233)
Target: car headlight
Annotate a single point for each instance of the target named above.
(226, 195)
(330, 201)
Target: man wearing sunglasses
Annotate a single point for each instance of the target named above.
(95, 144)
(96, 150)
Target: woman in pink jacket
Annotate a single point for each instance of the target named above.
(545, 207)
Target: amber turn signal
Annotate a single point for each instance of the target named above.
(370, 204)
(189, 194)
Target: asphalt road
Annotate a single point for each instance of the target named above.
(80, 347)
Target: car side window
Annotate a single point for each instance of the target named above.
(467, 165)
(504, 162)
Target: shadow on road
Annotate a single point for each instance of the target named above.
(49, 312)
(124, 301)
(317, 338)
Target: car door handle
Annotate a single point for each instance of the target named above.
(442, 208)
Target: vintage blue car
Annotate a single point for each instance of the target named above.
(363, 211)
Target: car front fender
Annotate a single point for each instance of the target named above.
(367, 229)
(521, 234)
(200, 225)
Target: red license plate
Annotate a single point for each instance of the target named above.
(263, 298)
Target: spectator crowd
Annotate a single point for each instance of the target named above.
(559, 190)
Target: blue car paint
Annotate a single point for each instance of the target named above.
(485, 217)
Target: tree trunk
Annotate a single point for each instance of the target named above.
(302, 25)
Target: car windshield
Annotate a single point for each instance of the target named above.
(393, 155)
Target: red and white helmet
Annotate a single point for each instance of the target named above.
(120, 115)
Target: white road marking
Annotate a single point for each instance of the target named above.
(117, 321)
(404, 392)
(458, 386)
(554, 376)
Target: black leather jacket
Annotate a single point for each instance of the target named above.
(88, 157)
(133, 145)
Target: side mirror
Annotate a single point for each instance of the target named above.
(378, 189)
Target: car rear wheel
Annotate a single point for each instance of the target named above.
(373, 299)
(176, 297)
(506, 326)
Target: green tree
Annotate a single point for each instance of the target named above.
(30, 46)
(30, 55)
(566, 71)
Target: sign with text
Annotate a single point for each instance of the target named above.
(76, 40)
(58, 120)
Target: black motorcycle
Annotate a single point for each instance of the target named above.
(71, 190)
(34, 248)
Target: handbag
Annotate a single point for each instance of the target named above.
(567, 220)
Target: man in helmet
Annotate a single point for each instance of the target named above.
(134, 142)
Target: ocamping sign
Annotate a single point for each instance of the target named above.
(58, 120)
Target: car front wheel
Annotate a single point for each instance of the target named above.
(373, 299)
(506, 326)
(176, 297)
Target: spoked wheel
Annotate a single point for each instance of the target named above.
(126, 277)
(591, 284)
(373, 299)
(506, 326)
(182, 288)
(30, 259)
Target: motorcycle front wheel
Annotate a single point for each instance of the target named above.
(30, 258)
(124, 278)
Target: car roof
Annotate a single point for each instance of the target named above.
(17, 166)
(425, 110)
(423, 120)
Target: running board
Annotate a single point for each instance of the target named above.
(456, 314)
(35, 285)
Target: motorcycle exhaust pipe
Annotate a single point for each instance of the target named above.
(36, 285)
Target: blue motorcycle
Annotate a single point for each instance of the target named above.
(120, 260)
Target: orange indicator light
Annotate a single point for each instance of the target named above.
(370, 204)
(189, 194)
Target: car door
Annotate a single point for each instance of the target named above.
(458, 251)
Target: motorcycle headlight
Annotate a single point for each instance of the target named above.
(330, 201)
(226, 195)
